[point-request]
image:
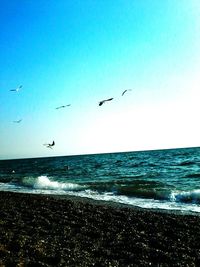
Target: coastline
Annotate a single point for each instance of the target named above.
(44, 230)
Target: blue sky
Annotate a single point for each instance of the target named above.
(81, 52)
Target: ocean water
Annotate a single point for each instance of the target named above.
(159, 179)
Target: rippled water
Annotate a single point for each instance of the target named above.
(164, 179)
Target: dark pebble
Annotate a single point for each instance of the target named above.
(46, 231)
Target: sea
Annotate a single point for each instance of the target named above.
(158, 179)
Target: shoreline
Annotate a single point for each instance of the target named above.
(49, 230)
(109, 203)
(124, 205)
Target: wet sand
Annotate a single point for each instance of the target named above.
(40, 230)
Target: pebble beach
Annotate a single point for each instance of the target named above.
(42, 230)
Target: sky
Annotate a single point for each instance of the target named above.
(81, 52)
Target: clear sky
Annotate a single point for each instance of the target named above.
(81, 52)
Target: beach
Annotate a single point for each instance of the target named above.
(42, 230)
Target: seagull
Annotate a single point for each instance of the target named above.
(17, 89)
(17, 121)
(103, 101)
(50, 145)
(63, 106)
(126, 91)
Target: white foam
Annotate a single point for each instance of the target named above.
(44, 185)
(192, 196)
(43, 182)
(139, 202)
(9, 187)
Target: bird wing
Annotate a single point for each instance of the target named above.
(103, 101)
(63, 106)
(66, 105)
(124, 92)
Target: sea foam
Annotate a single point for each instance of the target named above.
(192, 196)
(43, 182)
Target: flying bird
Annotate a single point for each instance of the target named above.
(103, 101)
(64, 106)
(50, 145)
(17, 121)
(126, 91)
(16, 89)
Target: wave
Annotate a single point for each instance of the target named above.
(44, 183)
(149, 190)
(137, 188)
(141, 189)
(146, 194)
(139, 202)
(192, 196)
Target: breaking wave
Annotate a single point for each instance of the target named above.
(192, 196)
(45, 183)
